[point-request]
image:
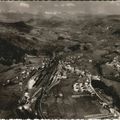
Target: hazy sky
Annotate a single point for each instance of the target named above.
(60, 7)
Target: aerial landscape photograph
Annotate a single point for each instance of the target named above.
(60, 59)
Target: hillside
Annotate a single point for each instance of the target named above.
(93, 38)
